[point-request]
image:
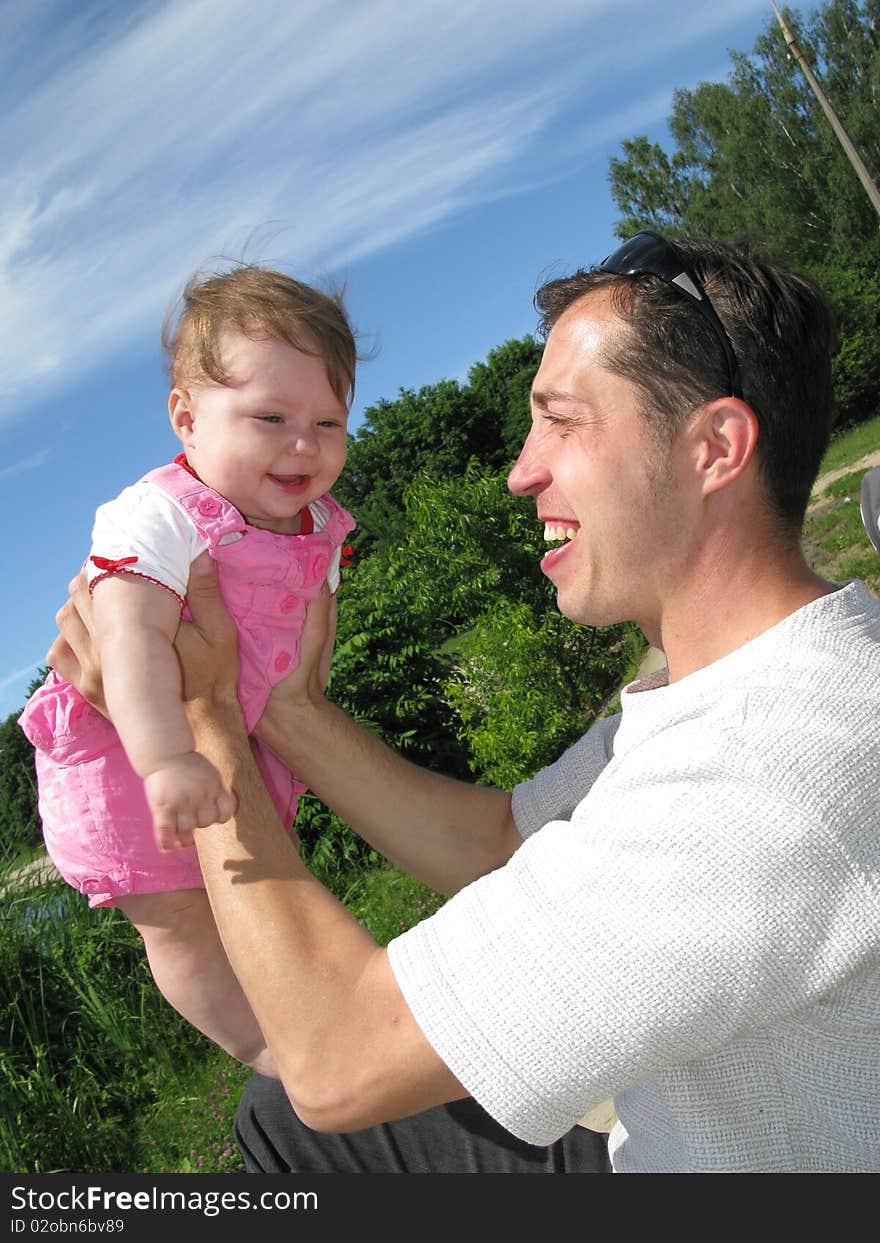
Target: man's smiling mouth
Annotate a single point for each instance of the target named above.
(555, 531)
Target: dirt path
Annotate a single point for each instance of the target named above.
(870, 459)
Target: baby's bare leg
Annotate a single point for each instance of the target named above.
(190, 966)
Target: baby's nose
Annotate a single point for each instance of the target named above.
(302, 440)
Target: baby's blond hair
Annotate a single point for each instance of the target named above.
(259, 302)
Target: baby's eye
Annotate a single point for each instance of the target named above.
(270, 418)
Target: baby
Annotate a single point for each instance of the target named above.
(262, 372)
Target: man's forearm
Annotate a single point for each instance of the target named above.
(444, 832)
(346, 1046)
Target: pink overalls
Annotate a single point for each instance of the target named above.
(96, 821)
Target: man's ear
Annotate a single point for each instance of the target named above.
(726, 435)
(181, 416)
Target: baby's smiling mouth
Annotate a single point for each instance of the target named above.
(290, 481)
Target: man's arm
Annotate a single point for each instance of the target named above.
(347, 1048)
(444, 832)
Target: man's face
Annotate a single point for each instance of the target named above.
(601, 483)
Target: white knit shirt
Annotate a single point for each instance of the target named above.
(692, 924)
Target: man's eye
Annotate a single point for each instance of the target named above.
(560, 425)
(329, 423)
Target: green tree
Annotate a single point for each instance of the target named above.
(755, 156)
(435, 430)
(19, 818)
(501, 388)
(387, 665)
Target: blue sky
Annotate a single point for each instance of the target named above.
(439, 158)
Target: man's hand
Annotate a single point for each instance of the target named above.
(207, 647)
(74, 654)
(305, 683)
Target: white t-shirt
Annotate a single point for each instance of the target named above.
(692, 924)
(145, 522)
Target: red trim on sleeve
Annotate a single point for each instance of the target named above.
(134, 574)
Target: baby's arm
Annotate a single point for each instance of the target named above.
(135, 623)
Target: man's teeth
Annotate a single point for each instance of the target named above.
(553, 531)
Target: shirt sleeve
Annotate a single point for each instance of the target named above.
(145, 533)
(556, 790)
(679, 909)
(320, 517)
(333, 570)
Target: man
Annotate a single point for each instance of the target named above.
(682, 912)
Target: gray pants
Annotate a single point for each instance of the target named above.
(459, 1138)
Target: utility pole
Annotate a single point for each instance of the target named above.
(845, 141)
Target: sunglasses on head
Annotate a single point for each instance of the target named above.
(649, 254)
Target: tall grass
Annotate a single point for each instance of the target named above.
(97, 1073)
(87, 1043)
(387, 902)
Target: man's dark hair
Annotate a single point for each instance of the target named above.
(783, 334)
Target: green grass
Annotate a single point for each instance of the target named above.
(88, 1046)
(387, 902)
(851, 445)
(835, 542)
(189, 1128)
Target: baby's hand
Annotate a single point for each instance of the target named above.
(186, 793)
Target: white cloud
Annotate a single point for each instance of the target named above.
(12, 679)
(149, 139)
(33, 462)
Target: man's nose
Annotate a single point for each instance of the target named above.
(527, 475)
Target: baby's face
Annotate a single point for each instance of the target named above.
(272, 439)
